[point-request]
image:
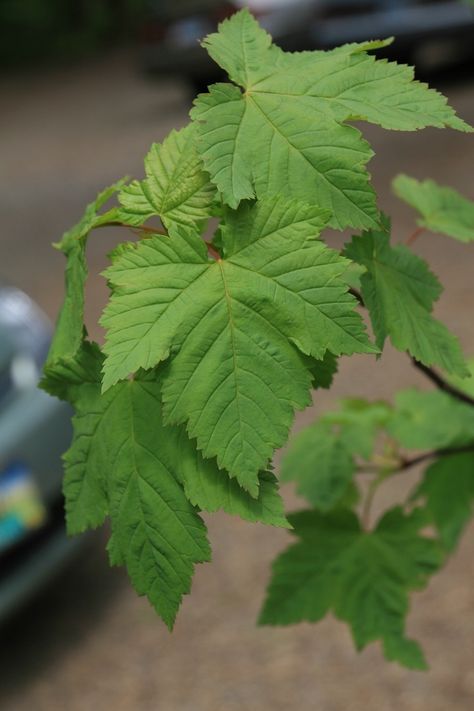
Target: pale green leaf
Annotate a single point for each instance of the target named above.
(442, 209)
(357, 422)
(362, 577)
(297, 103)
(176, 188)
(233, 328)
(399, 291)
(430, 420)
(320, 464)
(320, 459)
(323, 163)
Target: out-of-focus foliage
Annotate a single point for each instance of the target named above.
(48, 30)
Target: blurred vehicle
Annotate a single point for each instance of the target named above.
(35, 430)
(429, 32)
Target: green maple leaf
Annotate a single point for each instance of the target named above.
(430, 420)
(211, 490)
(233, 329)
(126, 464)
(123, 463)
(399, 290)
(69, 329)
(357, 423)
(321, 459)
(362, 577)
(176, 187)
(321, 465)
(442, 209)
(297, 103)
(323, 371)
(448, 488)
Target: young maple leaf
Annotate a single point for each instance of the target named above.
(362, 577)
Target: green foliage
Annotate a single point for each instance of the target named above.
(363, 578)
(442, 209)
(426, 420)
(322, 458)
(150, 493)
(400, 291)
(214, 341)
(448, 487)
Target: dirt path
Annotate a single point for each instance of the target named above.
(89, 642)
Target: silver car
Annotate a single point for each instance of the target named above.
(427, 31)
(35, 430)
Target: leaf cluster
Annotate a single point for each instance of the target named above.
(364, 574)
(214, 341)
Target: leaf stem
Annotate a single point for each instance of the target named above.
(396, 468)
(213, 252)
(369, 500)
(414, 236)
(139, 228)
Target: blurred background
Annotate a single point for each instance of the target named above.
(85, 87)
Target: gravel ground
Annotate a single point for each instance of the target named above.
(88, 641)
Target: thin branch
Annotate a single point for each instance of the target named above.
(428, 372)
(436, 453)
(443, 384)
